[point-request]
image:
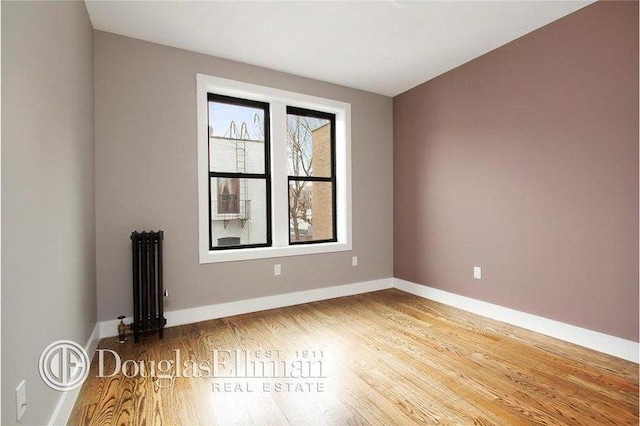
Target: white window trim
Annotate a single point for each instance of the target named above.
(278, 100)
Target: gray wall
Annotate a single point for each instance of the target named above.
(48, 226)
(145, 115)
(525, 162)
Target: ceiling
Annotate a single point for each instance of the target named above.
(384, 47)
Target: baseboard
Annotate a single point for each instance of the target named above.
(67, 399)
(204, 313)
(600, 342)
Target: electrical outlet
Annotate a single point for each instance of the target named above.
(477, 272)
(354, 261)
(277, 270)
(21, 400)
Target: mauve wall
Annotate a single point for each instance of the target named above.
(525, 162)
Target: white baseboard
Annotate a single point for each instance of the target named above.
(67, 399)
(204, 313)
(600, 342)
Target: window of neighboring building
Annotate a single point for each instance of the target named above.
(228, 196)
(228, 241)
(274, 175)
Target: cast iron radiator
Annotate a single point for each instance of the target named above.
(148, 312)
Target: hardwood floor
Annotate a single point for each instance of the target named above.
(385, 358)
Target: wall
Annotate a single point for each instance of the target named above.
(145, 116)
(48, 238)
(525, 162)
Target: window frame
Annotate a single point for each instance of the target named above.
(266, 176)
(278, 101)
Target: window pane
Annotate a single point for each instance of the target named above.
(238, 211)
(308, 146)
(310, 211)
(236, 138)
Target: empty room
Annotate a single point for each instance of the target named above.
(383, 212)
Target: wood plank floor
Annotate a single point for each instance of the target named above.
(386, 357)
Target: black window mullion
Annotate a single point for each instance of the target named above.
(311, 113)
(237, 175)
(311, 178)
(333, 176)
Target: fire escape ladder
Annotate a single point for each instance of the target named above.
(241, 163)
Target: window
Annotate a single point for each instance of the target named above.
(239, 180)
(273, 172)
(311, 175)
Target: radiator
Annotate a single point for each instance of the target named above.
(148, 311)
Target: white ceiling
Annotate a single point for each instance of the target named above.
(384, 47)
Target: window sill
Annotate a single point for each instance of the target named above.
(232, 255)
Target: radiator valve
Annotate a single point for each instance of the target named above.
(122, 330)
